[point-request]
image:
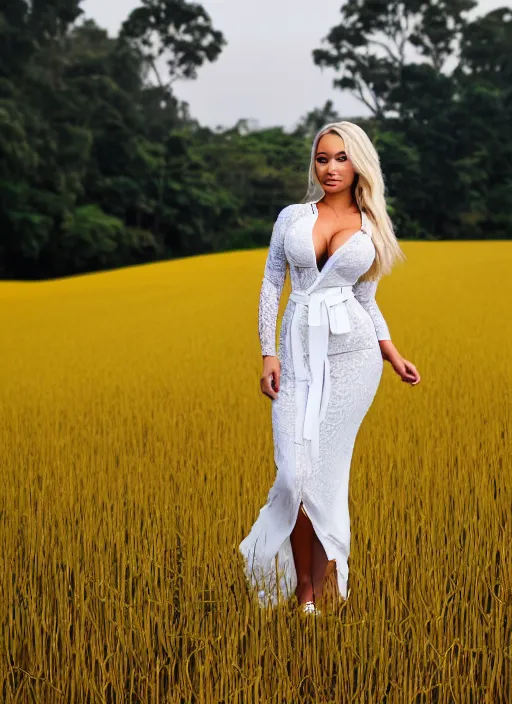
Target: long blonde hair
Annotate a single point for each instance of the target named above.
(368, 193)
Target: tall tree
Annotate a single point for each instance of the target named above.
(180, 31)
(486, 50)
(376, 39)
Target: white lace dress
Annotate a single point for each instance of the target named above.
(331, 366)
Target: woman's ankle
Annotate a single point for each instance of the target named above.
(304, 592)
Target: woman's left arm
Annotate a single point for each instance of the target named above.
(365, 292)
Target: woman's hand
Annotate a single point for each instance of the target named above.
(270, 376)
(405, 369)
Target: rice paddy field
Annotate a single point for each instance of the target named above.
(136, 452)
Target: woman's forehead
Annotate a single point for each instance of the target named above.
(330, 143)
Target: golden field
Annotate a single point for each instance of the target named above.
(136, 452)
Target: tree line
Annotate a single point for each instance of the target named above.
(101, 165)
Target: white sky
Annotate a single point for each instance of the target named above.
(266, 71)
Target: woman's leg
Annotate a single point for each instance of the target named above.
(320, 563)
(301, 539)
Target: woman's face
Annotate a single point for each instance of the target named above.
(334, 169)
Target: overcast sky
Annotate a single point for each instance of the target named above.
(266, 71)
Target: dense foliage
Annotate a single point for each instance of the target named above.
(102, 166)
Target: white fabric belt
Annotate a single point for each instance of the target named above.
(326, 311)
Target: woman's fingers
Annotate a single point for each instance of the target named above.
(270, 380)
(411, 372)
(277, 377)
(272, 385)
(266, 387)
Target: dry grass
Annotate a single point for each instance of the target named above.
(137, 451)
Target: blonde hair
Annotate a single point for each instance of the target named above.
(368, 193)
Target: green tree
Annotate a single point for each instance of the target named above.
(178, 30)
(375, 38)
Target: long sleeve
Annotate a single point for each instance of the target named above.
(364, 291)
(271, 288)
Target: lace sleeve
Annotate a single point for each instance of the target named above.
(271, 288)
(364, 291)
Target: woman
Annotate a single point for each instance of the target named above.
(332, 343)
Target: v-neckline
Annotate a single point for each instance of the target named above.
(321, 271)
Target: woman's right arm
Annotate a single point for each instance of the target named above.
(270, 295)
(271, 288)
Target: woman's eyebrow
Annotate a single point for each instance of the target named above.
(342, 152)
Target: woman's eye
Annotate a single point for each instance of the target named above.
(322, 159)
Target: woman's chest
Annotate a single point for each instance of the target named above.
(350, 259)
